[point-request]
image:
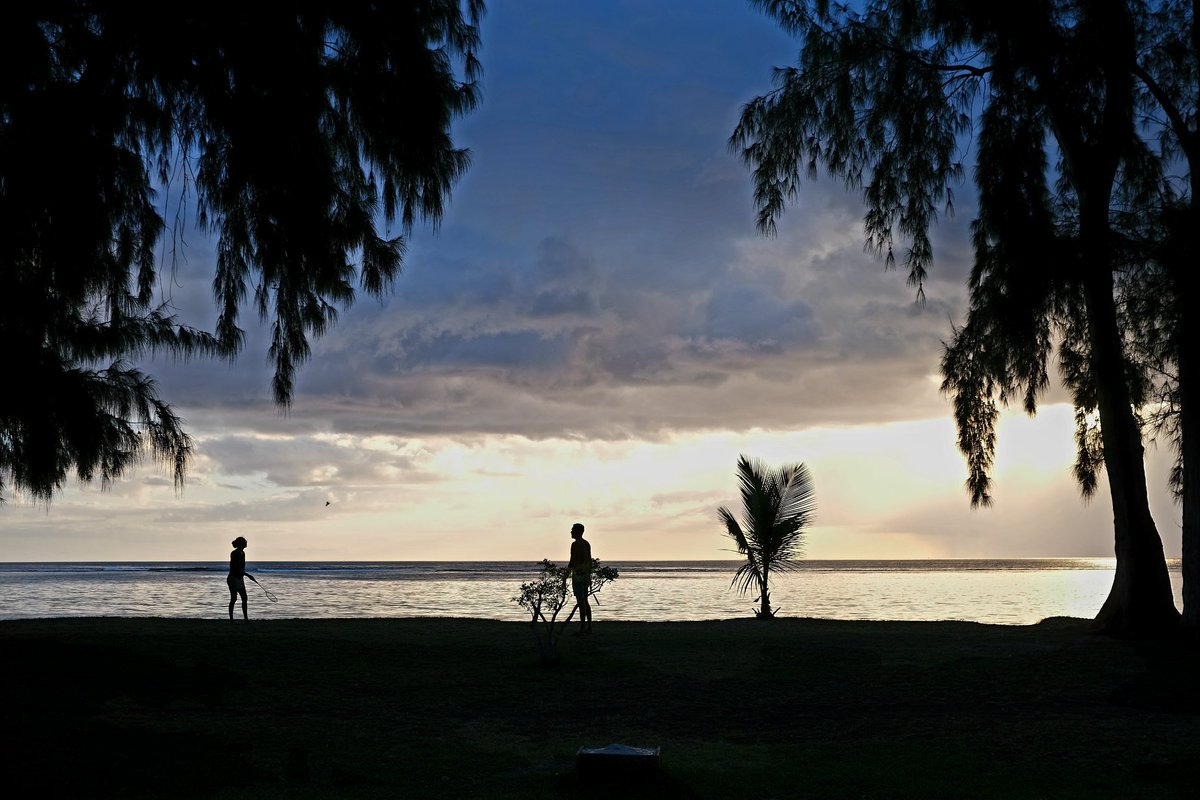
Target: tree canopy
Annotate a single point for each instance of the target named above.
(893, 99)
(297, 136)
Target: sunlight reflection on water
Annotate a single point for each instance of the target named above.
(993, 592)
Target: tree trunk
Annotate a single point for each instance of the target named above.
(1140, 602)
(764, 609)
(1190, 450)
(1181, 260)
(1182, 264)
(1093, 141)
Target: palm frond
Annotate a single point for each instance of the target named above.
(756, 498)
(733, 530)
(745, 578)
(798, 495)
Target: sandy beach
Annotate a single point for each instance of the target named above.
(460, 708)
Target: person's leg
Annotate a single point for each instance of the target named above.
(232, 599)
(242, 593)
(585, 614)
(581, 600)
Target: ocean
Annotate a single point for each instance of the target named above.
(1009, 591)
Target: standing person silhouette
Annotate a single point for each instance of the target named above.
(237, 576)
(581, 575)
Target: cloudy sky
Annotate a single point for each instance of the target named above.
(595, 333)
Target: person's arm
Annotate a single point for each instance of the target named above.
(241, 567)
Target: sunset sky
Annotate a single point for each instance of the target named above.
(595, 333)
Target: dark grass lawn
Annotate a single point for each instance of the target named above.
(457, 708)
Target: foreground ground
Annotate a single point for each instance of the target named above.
(460, 708)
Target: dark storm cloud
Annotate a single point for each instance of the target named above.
(598, 273)
(760, 319)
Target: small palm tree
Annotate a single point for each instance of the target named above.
(777, 507)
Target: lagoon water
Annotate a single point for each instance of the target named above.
(1015, 592)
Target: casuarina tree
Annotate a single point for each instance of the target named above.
(1162, 231)
(297, 135)
(890, 98)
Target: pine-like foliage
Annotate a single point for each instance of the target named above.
(296, 133)
(894, 97)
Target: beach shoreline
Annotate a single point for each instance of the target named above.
(460, 707)
(1005, 591)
